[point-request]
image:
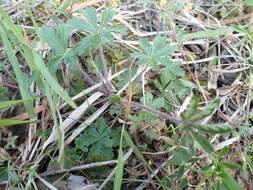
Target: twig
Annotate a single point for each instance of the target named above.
(50, 186)
(161, 152)
(86, 166)
(156, 112)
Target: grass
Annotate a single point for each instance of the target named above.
(128, 94)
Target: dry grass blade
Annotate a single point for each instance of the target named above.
(86, 166)
(87, 122)
(50, 186)
(73, 118)
(92, 88)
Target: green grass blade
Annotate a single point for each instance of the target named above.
(14, 62)
(51, 80)
(120, 165)
(9, 25)
(206, 34)
(6, 122)
(135, 149)
(8, 104)
(52, 101)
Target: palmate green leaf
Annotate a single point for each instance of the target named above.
(146, 46)
(206, 112)
(116, 28)
(151, 102)
(165, 51)
(154, 52)
(160, 47)
(142, 61)
(138, 54)
(56, 37)
(51, 80)
(91, 16)
(101, 148)
(83, 47)
(6, 122)
(211, 128)
(159, 42)
(106, 17)
(98, 140)
(107, 38)
(81, 24)
(171, 71)
(203, 141)
(8, 104)
(99, 33)
(229, 182)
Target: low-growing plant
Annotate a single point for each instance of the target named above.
(160, 114)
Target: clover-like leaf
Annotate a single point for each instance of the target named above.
(56, 37)
(106, 17)
(91, 16)
(98, 140)
(154, 52)
(97, 29)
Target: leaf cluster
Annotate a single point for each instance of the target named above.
(191, 123)
(98, 141)
(154, 53)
